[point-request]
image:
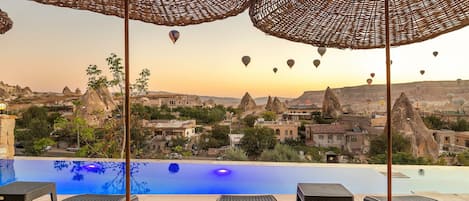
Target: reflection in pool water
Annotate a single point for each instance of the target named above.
(166, 177)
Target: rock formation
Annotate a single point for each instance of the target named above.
(247, 103)
(96, 105)
(27, 91)
(66, 91)
(406, 120)
(278, 107)
(331, 106)
(431, 95)
(268, 105)
(9, 91)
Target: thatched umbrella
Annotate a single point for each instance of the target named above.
(5, 22)
(355, 24)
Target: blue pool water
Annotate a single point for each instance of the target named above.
(167, 177)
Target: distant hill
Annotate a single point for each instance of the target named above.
(227, 101)
(230, 101)
(428, 95)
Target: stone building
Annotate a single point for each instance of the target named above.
(282, 129)
(301, 112)
(171, 100)
(325, 135)
(162, 131)
(355, 140)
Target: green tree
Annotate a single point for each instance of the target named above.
(257, 139)
(141, 84)
(203, 115)
(95, 79)
(220, 133)
(250, 119)
(433, 122)
(378, 145)
(460, 125)
(269, 116)
(32, 127)
(235, 154)
(117, 70)
(463, 158)
(33, 112)
(281, 153)
(39, 145)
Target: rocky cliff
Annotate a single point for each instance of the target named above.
(406, 120)
(268, 105)
(247, 103)
(278, 107)
(12, 92)
(66, 91)
(331, 106)
(96, 105)
(428, 95)
(77, 91)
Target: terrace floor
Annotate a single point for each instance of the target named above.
(281, 197)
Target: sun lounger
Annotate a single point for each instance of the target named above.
(322, 192)
(247, 198)
(98, 197)
(27, 191)
(399, 198)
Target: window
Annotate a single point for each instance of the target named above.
(329, 137)
(321, 137)
(339, 137)
(353, 138)
(286, 132)
(277, 131)
(291, 132)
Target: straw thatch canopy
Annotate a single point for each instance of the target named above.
(358, 24)
(339, 23)
(5, 22)
(161, 12)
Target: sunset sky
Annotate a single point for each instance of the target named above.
(51, 47)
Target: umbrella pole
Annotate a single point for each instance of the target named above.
(388, 102)
(127, 101)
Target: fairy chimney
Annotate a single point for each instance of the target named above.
(96, 105)
(407, 121)
(268, 106)
(247, 103)
(278, 107)
(331, 106)
(66, 91)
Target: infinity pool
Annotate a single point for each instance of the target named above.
(176, 177)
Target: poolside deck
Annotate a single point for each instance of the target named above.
(281, 197)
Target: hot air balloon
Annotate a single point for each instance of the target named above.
(174, 35)
(369, 81)
(316, 62)
(422, 72)
(435, 53)
(372, 75)
(246, 60)
(290, 63)
(275, 70)
(321, 50)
